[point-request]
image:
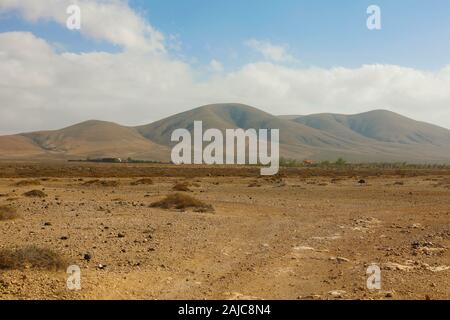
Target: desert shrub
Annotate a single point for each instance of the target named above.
(31, 257)
(254, 184)
(35, 194)
(26, 183)
(144, 181)
(91, 183)
(182, 186)
(340, 162)
(8, 213)
(290, 163)
(325, 163)
(182, 201)
(101, 183)
(276, 179)
(445, 183)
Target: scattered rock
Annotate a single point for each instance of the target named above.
(87, 256)
(339, 259)
(304, 248)
(438, 268)
(311, 297)
(397, 267)
(337, 293)
(239, 296)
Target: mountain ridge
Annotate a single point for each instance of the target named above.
(373, 136)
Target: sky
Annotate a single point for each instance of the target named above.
(135, 62)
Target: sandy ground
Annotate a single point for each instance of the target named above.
(290, 238)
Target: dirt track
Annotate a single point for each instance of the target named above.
(292, 238)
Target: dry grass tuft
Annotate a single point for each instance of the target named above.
(144, 181)
(101, 183)
(182, 186)
(31, 257)
(8, 213)
(444, 183)
(35, 194)
(182, 201)
(27, 183)
(254, 184)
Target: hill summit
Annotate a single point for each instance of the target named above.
(374, 136)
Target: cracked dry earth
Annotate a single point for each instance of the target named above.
(295, 238)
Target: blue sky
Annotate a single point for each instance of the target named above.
(322, 33)
(325, 33)
(138, 61)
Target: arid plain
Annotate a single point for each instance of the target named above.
(308, 233)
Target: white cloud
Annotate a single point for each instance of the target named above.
(216, 66)
(48, 89)
(282, 90)
(110, 20)
(41, 88)
(270, 51)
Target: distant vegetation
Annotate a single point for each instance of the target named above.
(115, 160)
(292, 163)
(342, 163)
(129, 160)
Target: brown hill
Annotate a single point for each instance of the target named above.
(96, 139)
(319, 137)
(379, 125)
(232, 116)
(376, 136)
(17, 146)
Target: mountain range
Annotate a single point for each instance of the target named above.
(375, 136)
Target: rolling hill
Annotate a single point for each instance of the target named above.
(17, 146)
(87, 139)
(375, 136)
(232, 116)
(380, 125)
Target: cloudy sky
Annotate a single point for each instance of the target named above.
(135, 62)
